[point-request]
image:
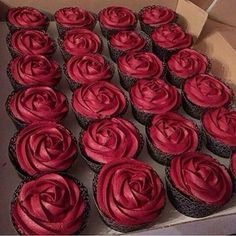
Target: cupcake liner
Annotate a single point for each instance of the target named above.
(115, 53)
(187, 205)
(74, 85)
(141, 117)
(232, 173)
(84, 195)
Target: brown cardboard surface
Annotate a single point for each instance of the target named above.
(204, 4)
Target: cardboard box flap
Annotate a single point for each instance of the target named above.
(204, 4)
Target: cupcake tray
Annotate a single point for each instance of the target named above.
(169, 222)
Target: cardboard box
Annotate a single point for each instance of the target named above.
(215, 40)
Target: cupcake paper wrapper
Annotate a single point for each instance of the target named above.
(141, 117)
(84, 194)
(187, 205)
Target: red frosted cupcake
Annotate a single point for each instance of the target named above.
(36, 104)
(169, 39)
(197, 184)
(98, 100)
(35, 70)
(171, 134)
(110, 139)
(154, 16)
(204, 91)
(220, 129)
(42, 147)
(114, 19)
(77, 42)
(232, 168)
(185, 64)
(26, 18)
(127, 41)
(138, 65)
(129, 195)
(74, 17)
(150, 97)
(50, 204)
(88, 68)
(30, 42)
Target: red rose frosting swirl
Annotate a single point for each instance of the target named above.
(99, 100)
(50, 204)
(171, 37)
(89, 68)
(120, 18)
(37, 104)
(129, 192)
(27, 17)
(45, 147)
(154, 96)
(220, 123)
(74, 17)
(207, 91)
(233, 164)
(127, 41)
(110, 139)
(187, 63)
(140, 65)
(32, 42)
(81, 41)
(200, 176)
(35, 70)
(157, 15)
(173, 134)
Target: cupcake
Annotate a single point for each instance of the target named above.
(114, 19)
(98, 100)
(30, 42)
(109, 139)
(42, 147)
(185, 64)
(77, 42)
(74, 17)
(129, 195)
(35, 70)
(88, 68)
(171, 134)
(34, 104)
(169, 39)
(126, 41)
(50, 204)
(150, 97)
(232, 168)
(138, 65)
(219, 125)
(197, 184)
(26, 18)
(154, 16)
(204, 91)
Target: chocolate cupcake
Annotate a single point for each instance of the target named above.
(138, 65)
(114, 19)
(73, 18)
(110, 139)
(171, 134)
(197, 184)
(129, 195)
(232, 168)
(35, 70)
(34, 104)
(98, 100)
(169, 39)
(30, 42)
(42, 147)
(185, 64)
(88, 68)
(154, 16)
(77, 42)
(26, 18)
(50, 204)
(219, 125)
(127, 41)
(204, 91)
(150, 97)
